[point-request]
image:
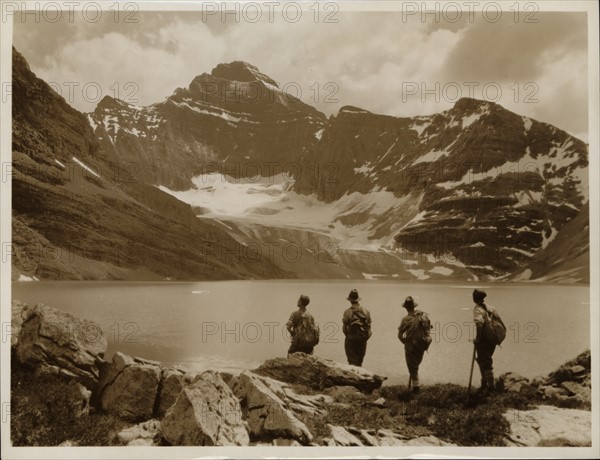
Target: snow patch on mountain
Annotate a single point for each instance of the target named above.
(548, 239)
(86, 167)
(420, 126)
(352, 220)
(365, 169)
(431, 157)
(93, 124)
(444, 271)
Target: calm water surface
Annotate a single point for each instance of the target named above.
(234, 325)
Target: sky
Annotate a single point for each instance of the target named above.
(379, 61)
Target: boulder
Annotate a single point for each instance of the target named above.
(511, 381)
(62, 343)
(549, 426)
(548, 392)
(537, 381)
(129, 387)
(379, 402)
(147, 433)
(173, 381)
(386, 437)
(581, 393)
(344, 394)
(572, 369)
(285, 442)
(342, 437)
(350, 436)
(319, 373)
(578, 371)
(268, 413)
(206, 413)
(428, 441)
(19, 313)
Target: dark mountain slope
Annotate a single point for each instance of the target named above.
(78, 214)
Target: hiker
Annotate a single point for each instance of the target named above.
(302, 328)
(490, 333)
(357, 329)
(414, 333)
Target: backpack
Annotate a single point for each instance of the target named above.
(494, 330)
(306, 332)
(419, 331)
(357, 326)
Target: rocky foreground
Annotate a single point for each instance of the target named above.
(302, 400)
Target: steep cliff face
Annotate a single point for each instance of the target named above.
(565, 259)
(487, 186)
(235, 120)
(78, 214)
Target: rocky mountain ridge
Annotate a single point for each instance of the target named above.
(80, 214)
(475, 191)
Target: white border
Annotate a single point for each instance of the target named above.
(591, 7)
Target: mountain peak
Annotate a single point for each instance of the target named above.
(468, 104)
(352, 109)
(241, 71)
(109, 102)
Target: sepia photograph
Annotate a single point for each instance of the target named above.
(299, 229)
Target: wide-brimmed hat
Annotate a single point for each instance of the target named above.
(409, 303)
(479, 295)
(304, 300)
(353, 296)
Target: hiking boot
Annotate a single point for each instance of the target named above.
(416, 389)
(490, 382)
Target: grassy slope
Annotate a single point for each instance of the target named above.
(440, 410)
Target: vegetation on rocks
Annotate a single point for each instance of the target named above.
(59, 398)
(45, 412)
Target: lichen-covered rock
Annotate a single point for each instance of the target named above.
(268, 414)
(572, 370)
(19, 313)
(580, 392)
(344, 394)
(350, 436)
(206, 413)
(512, 381)
(61, 343)
(319, 373)
(549, 426)
(147, 433)
(343, 437)
(173, 381)
(129, 388)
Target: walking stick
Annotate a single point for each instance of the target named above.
(409, 381)
(471, 375)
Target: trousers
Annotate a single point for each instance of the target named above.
(414, 357)
(485, 352)
(355, 350)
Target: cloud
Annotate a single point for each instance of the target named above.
(367, 58)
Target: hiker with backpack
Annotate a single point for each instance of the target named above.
(414, 333)
(491, 331)
(303, 330)
(357, 329)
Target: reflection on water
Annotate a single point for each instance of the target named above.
(233, 325)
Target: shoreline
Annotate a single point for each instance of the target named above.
(309, 400)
